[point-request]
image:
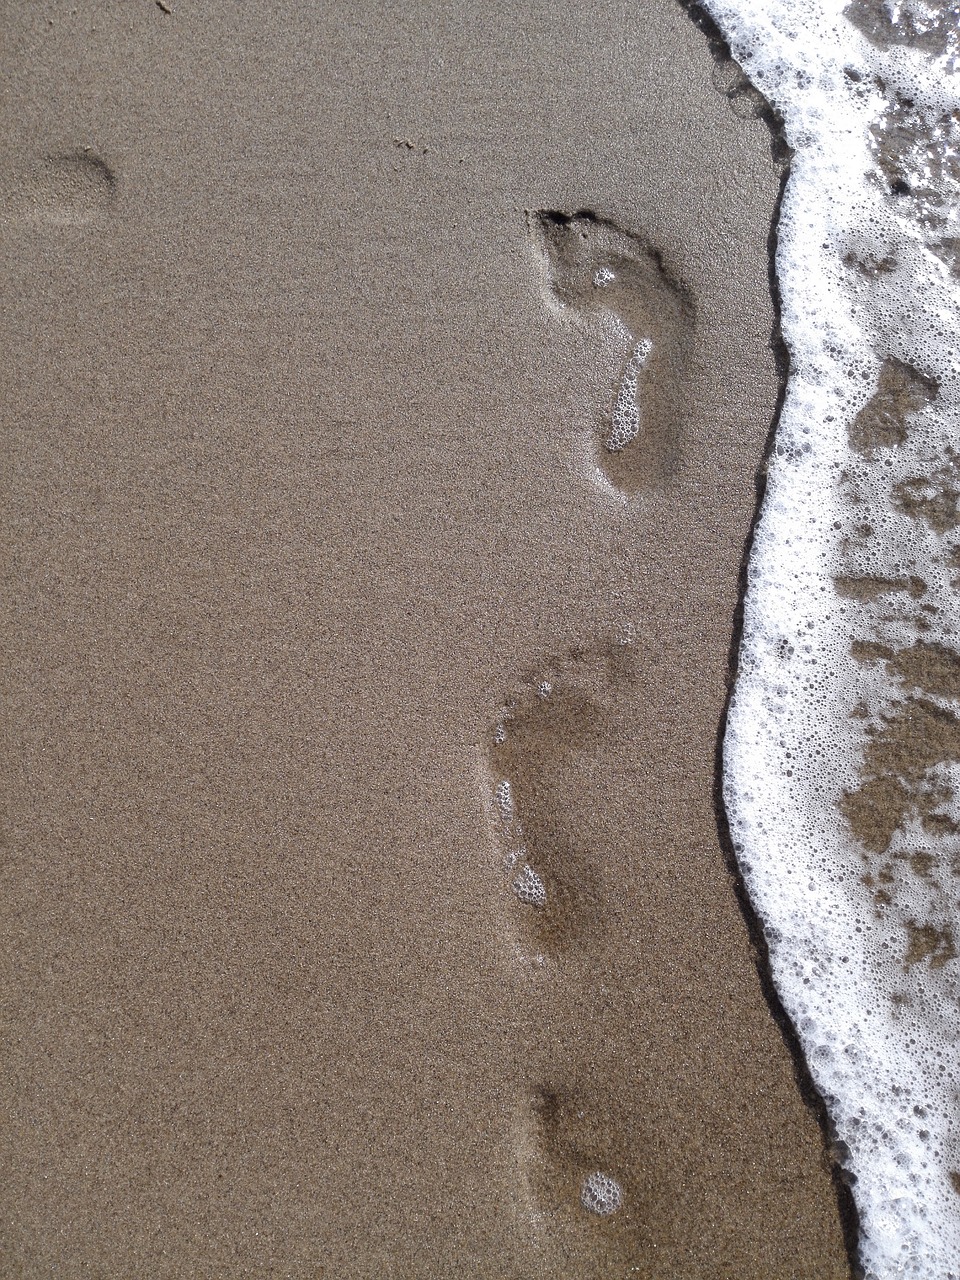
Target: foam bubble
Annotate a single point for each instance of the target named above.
(529, 888)
(625, 419)
(503, 797)
(601, 1194)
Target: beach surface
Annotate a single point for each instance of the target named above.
(316, 542)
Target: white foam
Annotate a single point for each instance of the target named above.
(862, 926)
(625, 419)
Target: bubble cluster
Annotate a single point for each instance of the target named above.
(601, 1194)
(529, 888)
(526, 884)
(503, 797)
(625, 419)
(842, 753)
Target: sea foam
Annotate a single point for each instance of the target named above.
(842, 752)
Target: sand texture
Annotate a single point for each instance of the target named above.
(314, 540)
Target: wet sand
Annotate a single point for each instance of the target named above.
(305, 487)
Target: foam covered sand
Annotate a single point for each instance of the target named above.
(842, 757)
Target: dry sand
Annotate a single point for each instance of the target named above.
(301, 488)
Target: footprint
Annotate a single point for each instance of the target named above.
(546, 731)
(572, 1171)
(594, 266)
(72, 189)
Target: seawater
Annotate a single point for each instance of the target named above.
(842, 752)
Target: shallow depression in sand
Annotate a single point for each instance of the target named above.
(71, 189)
(592, 266)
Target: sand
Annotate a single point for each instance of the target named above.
(301, 491)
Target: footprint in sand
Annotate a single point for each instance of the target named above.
(568, 1140)
(550, 721)
(71, 189)
(593, 266)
